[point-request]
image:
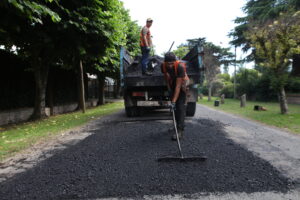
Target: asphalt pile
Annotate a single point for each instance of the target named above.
(120, 160)
(153, 65)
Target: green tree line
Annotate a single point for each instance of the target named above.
(80, 35)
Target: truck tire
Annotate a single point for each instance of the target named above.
(131, 111)
(190, 109)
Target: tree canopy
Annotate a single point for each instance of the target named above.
(62, 33)
(258, 11)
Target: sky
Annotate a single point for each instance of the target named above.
(179, 20)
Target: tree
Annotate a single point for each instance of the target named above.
(214, 57)
(261, 11)
(22, 24)
(126, 34)
(275, 43)
(65, 33)
(181, 51)
(212, 67)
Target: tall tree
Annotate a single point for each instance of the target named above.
(275, 43)
(67, 33)
(126, 34)
(22, 24)
(261, 11)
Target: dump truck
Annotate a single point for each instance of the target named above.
(142, 92)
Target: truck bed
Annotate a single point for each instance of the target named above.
(131, 70)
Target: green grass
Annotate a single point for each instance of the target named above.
(18, 137)
(272, 116)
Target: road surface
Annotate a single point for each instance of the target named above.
(116, 157)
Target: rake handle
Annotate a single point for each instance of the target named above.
(177, 137)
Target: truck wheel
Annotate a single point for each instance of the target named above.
(131, 111)
(191, 109)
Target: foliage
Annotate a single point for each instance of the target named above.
(264, 90)
(293, 85)
(18, 17)
(227, 89)
(126, 34)
(224, 77)
(181, 51)
(33, 10)
(258, 11)
(52, 32)
(276, 43)
(256, 85)
(214, 57)
(247, 80)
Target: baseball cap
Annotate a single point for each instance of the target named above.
(149, 20)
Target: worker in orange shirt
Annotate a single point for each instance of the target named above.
(146, 44)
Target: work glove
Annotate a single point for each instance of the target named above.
(172, 106)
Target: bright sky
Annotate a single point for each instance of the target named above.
(179, 20)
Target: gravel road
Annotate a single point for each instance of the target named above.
(115, 157)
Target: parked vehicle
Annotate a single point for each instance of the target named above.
(142, 92)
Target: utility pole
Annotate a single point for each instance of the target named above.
(234, 79)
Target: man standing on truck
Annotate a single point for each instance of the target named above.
(176, 78)
(146, 43)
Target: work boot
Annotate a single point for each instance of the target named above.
(180, 135)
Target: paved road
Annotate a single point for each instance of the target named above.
(117, 158)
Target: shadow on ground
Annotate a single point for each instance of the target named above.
(119, 159)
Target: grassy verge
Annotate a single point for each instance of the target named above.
(18, 137)
(272, 116)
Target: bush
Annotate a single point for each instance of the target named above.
(227, 90)
(204, 90)
(264, 90)
(293, 85)
(247, 80)
(217, 87)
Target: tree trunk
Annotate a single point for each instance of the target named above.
(86, 85)
(40, 76)
(81, 88)
(243, 100)
(282, 101)
(209, 91)
(201, 96)
(101, 81)
(50, 95)
(222, 98)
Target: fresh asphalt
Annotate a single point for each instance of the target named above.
(119, 160)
